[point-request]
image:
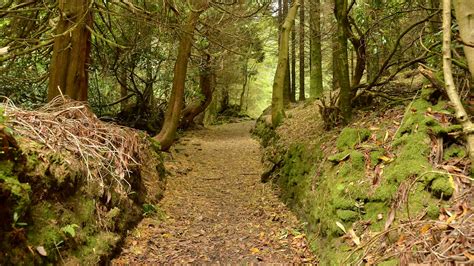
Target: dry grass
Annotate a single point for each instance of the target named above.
(107, 152)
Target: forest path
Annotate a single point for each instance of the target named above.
(216, 210)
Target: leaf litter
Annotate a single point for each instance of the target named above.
(215, 208)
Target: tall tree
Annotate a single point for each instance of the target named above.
(301, 54)
(340, 11)
(464, 15)
(288, 81)
(293, 66)
(316, 66)
(175, 104)
(282, 67)
(464, 11)
(71, 52)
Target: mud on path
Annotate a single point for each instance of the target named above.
(216, 210)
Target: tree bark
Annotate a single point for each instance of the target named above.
(464, 13)
(316, 67)
(279, 80)
(71, 51)
(292, 90)
(175, 104)
(244, 84)
(340, 10)
(302, 90)
(288, 81)
(207, 85)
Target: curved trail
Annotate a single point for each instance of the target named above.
(216, 209)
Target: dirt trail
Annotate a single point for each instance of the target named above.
(216, 210)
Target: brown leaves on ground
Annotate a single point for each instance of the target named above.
(217, 211)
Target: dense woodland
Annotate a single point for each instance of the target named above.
(97, 93)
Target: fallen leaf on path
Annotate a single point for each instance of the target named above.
(255, 251)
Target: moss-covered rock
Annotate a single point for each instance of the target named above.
(341, 187)
(47, 202)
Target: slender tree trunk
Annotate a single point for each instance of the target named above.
(71, 51)
(464, 14)
(361, 58)
(334, 54)
(206, 84)
(316, 67)
(342, 60)
(288, 81)
(244, 84)
(464, 10)
(293, 65)
(175, 104)
(279, 80)
(302, 90)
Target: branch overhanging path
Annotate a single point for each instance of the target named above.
(216, 209)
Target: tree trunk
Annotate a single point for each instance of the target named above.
(340, 10)
(316, 67)
(288, 81)
(207, 85)
(175, 104)
(244, 84)
(361, 57)
(71, 51)
(293, 65)
(464, 14)
(302, 91)
(464, 11)
(279, 80)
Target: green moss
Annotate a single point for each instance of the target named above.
(45, 229)
(373, 210)
(375, 156)
(432, 211)
(357, 161)
(339, 157)
(347, 215)
(454, 151)
(442, 187)
(96, 247)
(350, 137)
(343, 203)
(18, 192)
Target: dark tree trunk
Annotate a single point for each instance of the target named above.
(288, 81)
(207, 85)
(340, 10)
(316, 66)
(293, 66)
(71, 51)
(175, 104)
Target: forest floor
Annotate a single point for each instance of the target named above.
(215, 208)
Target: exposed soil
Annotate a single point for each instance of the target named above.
(216, 210)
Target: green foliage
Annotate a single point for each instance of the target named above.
(148, 209)
(70, 230)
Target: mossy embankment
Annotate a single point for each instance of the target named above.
(53, 211)
(350, 183)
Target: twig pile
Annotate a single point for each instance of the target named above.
(106, 151)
